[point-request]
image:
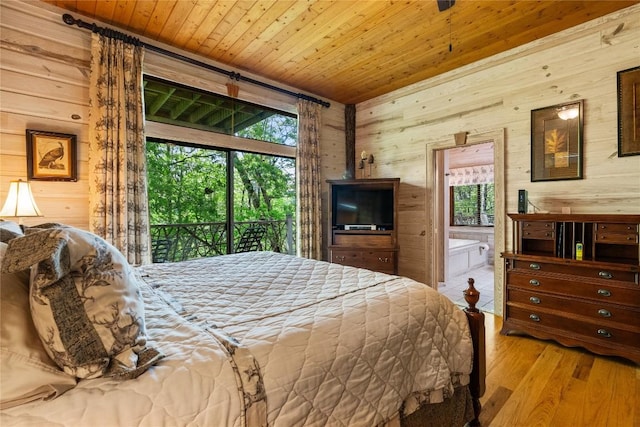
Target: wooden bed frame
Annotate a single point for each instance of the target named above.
(476, 325)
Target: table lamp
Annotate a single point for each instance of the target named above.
(20, 202)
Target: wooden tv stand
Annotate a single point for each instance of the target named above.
(371, 249)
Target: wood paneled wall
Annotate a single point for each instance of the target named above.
(499, 93)
(44, 84)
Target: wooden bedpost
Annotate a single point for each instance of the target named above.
(476, 325)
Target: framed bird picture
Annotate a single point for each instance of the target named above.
(51, 156)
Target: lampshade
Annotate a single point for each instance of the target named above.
(20, 201)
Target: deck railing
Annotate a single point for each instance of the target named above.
(180, 242)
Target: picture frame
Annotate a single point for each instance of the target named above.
(556, 142)
(51, 156)
(628, 112)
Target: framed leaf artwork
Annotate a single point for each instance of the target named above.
(556, 142)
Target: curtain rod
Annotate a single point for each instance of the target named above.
(107, 32)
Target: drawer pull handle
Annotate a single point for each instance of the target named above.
(534, 300)
(534, 317)
(383, 259)
(534, 282)
(340, 257)
(534, 266)
(604, 292)
(604, 313)
(605, 275)
(604, 333)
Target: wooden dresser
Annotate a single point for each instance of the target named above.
(591, 300)
(371, 203)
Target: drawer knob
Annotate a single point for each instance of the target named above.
(340, 257)
(534, 282)
(604, 313)
(534, 266)
(604, 333)
(534, 300)
(604, 292)
(383, 259)
(534, 317)
(605, 275)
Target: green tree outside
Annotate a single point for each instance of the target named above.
(188, 184)
(471, 202)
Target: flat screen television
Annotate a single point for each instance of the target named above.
(362, 206)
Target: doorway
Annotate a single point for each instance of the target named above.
(468, 194)
(438, 217)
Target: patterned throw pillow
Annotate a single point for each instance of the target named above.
(9, 230)
(85, 303)
(28, 374)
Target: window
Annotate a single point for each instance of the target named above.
(186, 184)
(175, 104)
(209, 200)
(472, 205)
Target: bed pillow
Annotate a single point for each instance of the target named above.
(9, 230)
(27, 373)
(85, 303)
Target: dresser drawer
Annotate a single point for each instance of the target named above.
(382, 261)
(577, 270)
(616, 233)
(538, 230)
(607, 333)
(351, 258)
(538, 234)
(617, 238)
(538, 225)
(611, 292)
(601, 311)
(379, 258)
(603, 227)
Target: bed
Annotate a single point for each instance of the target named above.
(249, 339)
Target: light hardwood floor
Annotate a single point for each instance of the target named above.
(532, 382)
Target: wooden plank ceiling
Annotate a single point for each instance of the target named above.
(348, 50)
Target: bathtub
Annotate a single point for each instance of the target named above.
(465, 255)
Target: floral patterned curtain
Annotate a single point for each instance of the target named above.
(118, 205)
(309, 213)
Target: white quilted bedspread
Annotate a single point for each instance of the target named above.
(334, 346)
